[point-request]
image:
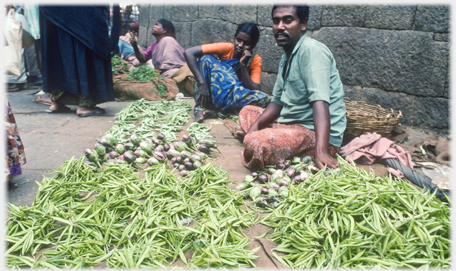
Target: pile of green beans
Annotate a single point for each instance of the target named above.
(354, 219)
(153, 117)
(84, 216)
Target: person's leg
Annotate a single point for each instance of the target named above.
(275, 145)
(247, 116)
(87, 107)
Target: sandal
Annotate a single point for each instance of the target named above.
(62, 109)
(38, 100)
(97, 112)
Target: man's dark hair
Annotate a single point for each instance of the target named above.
(250, 29)
(168, 26)
(301, 11)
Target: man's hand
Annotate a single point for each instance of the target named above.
(204, 95)
(322, 159)
(246, 55)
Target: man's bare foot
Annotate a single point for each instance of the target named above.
(199, 116)
(239, 134)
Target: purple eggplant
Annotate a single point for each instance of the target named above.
(254, 174)
(176, 165)
(166, 147)
(129, 146)
(146, 146)
(291, 172)
(186, 139)
(306, 159)
(184, 172)
(174, 153)
(129, 157)
(121, 157)
(152, 161)
(287, 164)
(280, 166)
(196, 164)
(173, 160)
(284, 182)
(313, 169)
(100, 149)
(160, 156)
(135, 140)
(194, 158)
(139, 153)
(140, 160)
(180, 146)
(113, 155)
(304, 175)
(274, 186)
(185, 154)
(159, 148)
(262, 201)
(297, 179)
(264, 190)
(179, 159)
(186, 160)
(91, 155)
(188, 165)
(204, 148)
(271, 170)
(263, 178)
(120, 149)
(160, 136)
(181, 167)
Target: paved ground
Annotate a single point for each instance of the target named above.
(51, 139)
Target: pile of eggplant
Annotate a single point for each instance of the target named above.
(269, 188)
(185, 154)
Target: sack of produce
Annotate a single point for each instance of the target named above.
(144, 82)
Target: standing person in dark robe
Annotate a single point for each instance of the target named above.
(76, 46)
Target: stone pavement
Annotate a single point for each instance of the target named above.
(51, 139)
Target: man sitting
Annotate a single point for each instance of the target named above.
(307, 112)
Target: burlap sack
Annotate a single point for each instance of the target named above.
(185, 80)
(134, 90)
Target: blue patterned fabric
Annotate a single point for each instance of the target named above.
(228, 94)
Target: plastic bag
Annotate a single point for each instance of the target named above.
(13, 51)
(27, 39)
(440, 176)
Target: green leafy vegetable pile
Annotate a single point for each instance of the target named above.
(142, 73)
(118, 66)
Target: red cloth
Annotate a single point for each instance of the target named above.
(276, 143)
(369, 147)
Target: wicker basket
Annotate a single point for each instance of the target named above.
(362, 118)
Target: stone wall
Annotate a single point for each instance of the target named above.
(393, 55)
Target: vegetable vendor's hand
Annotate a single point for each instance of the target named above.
(204, 95)
(246, 55)
(322, 159)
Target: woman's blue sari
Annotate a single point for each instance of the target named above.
(228, 94)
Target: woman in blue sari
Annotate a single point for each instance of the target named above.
(225, 85)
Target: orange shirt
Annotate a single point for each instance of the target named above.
(224, 50)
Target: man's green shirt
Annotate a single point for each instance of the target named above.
(311, 76)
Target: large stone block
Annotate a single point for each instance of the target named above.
(343, 15)
(390, 17)
(238, 14)
(183, 33)
(433, 18)
(402, 61)
(315, 14)
(267, 82)
(210, 11)
(269, 51)
(144, 11)
(433, 113)
(264, 15)
(156, 12)
(181, 13)
(210, 31)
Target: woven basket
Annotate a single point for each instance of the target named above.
(362, 118)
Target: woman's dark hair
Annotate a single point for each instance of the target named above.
(168, 26)
(250, 29)
(301, 11)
